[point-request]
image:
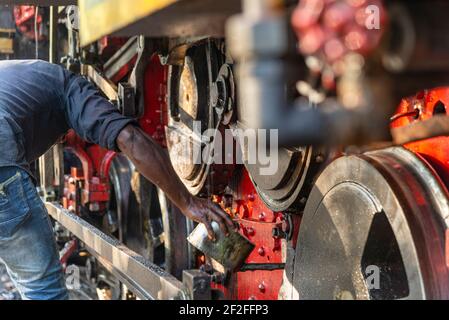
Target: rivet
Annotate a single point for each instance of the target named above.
(261, 251)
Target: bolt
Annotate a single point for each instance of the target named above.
(262, 216)
(251, 197)
(262, 287)
(94, 207)
(319, 159)
(261, 251)
(250, 231)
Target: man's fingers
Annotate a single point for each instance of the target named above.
(221, 222)
(210, 230)
(225, 216)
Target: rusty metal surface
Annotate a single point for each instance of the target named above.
(435, 127)
(230, 252)
(188, 93)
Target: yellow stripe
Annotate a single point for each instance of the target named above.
(99, 18)
(6, 45)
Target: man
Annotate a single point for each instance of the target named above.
(39, 103)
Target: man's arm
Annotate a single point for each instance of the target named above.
(153, 162)
(96, 120)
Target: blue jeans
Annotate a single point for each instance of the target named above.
(27, 245)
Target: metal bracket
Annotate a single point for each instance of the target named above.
(197, 284)
(127, 99)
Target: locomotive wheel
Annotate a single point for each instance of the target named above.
(148, 223)
(196, 91)
(289, 186)
(381, 211)
(298, 167)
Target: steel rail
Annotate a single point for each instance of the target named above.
(145, 279)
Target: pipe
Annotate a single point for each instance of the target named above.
(258, 41)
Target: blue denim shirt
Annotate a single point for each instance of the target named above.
(40, 102)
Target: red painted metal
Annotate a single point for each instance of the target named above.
(89, 185)
(155, 117)
(256, 222)
(67, 252)
(108, 46)
(124, 71)
(423, 106)
(25, 21)
(420, 108)
(91, 179)
(105, 165)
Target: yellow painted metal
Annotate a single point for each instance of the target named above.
(6, 46)
(7, 30)
(99, 18)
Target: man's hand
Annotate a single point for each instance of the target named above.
(153, 162)
(205, 211)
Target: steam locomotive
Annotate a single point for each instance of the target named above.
(358, 205)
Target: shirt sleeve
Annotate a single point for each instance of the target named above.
(92, 116)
